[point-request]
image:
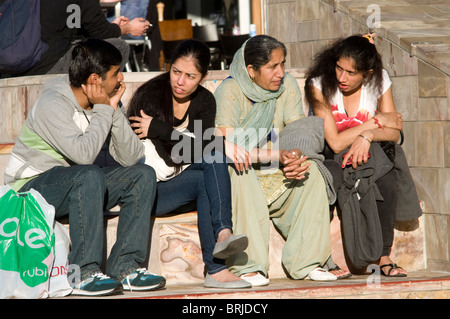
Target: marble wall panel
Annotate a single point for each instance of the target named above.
(287, 31)
(307, 30)
(300, 54)
(444, 191)
(272, 21)
(408, 248)
(5, 115)
(332, 24)
(432, 82)
(434, 109)
(12, 112)
(396, 61)
(437, 246)
(307, 10)
(427, 185)
(33, 93)
(430, 144)
(405, 93)
(447, 144)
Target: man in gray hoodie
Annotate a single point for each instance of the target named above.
(54, 154)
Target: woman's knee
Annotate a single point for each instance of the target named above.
(215, 157)
(198, 179)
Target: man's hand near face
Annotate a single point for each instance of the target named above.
(115, 99)
(95, 93)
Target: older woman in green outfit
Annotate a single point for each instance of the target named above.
(253, 106)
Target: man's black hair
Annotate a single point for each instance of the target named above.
(92, 56)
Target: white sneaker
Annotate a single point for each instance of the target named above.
(320, 274)
(256, 280)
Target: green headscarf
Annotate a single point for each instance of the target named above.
(259, 121)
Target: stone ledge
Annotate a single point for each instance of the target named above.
(175, 250)
(418, 285)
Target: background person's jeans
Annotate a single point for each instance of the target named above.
(207, 183)
(83, 192)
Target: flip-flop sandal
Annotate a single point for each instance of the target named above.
(339, 268)
(393, 266)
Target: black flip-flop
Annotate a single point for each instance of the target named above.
(393, 266)
(339, 268)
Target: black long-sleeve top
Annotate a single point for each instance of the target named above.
(202, 109)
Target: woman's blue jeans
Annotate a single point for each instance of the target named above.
(84, 192)
(207, 183)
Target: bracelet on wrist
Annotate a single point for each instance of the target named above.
(360, 135)
(377, 123)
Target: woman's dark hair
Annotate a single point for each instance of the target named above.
(356, 47)
(92, 56)
(155, 96)
(258, 50)
(198, 50)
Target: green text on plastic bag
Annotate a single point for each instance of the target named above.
(26, 240)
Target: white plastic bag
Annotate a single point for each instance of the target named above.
(59, 284)
(26, 244)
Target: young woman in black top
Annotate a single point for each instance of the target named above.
(176, 114)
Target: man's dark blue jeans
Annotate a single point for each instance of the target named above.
(84, 192)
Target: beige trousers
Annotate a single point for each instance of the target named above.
(301, 214)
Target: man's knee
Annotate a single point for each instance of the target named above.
(91, 175)
(143, 174)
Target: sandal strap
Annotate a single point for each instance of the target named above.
(335, 268)
(393, 266)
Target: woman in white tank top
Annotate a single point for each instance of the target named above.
(348, 87)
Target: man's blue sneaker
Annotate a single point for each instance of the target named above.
(141, 280)
(97, 285)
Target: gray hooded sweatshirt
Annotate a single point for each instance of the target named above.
(58, 132)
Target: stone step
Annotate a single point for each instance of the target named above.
(175, 250)
(418, 285)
